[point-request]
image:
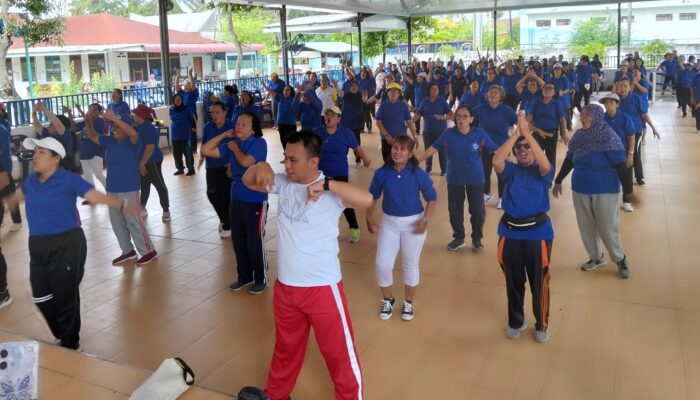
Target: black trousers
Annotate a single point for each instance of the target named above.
(370, 113)
(526, 260)
(193, 135)
(285, 130)
(3, 273)
(386, 150)
(455, 207)
(684, 101)
(637, 158)
(154, 176)
(358, 136)
(582, 93)
(248, 234)
(348, 212)
(697, 120)
(418, 124)
(669, 79)
(56, 267)
(549, 146)
(15, 214)
(180, 149)
(487, 162)
(512, 101)
(219, 194)
(428, 139)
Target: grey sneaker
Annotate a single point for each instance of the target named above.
(513, 333)
(387, 309)
(477, 246)
(257, 288)
(5, 299)
(456, 244)
(623, 268)
(541, 336)
(238, 285)
(591, 265)
(407, 312)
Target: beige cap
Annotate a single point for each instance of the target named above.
(335, 109)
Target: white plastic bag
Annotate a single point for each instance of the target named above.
(19, 370)
(170, 380)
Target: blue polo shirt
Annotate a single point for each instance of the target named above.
(619, 75)
(496, 121)
(239, 109)
(253, 146)
(277, 85)
(402, 190)
(6, 149)
(632, 106)
(148, 134)
(546, 116)
(510, 82)
(231, 102)
(190, 99)
(427, 109)
(180, 123)
(88, 148)
(122, 158)
(121, 108)
(464, 166)
(443, 85)
(595, 173)
(420, 92)
(334, 159)
(573, 79)
(526, 98)
(209, 132)
(66, 139)
(526, 194)
(583, 74)
(560, 84)
(696, 86)
(394, 117)
(285, 110)
(686, 78)
(622, 125)
(472, 100)
(485, 85)
(644, 97)
(50, 206)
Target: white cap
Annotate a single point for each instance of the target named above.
(424, 75)
(45, 143)
(610, 96)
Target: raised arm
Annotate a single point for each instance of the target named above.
(259, 177)
(126, 128)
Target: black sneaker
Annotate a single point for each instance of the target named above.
(257, 288)
(407, 311)
(190, 172)
(456, 244)
(477, 246)
(387, 309)
(640, 182)
(238, 285)
(623, 268)
(5, 299)
(179, 172)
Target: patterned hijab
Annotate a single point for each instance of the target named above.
(597, 138)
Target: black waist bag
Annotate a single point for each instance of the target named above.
(525, 223)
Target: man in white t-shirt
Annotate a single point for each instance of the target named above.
(309, 289)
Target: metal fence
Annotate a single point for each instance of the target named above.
(20, 111)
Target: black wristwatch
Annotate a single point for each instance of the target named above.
(326, 185)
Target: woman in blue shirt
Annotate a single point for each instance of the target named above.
(353, 112)
(91, 153)
(420, 92)
(57, 245)
(59, 129)
(218, 181)
(151, 161)
(309, 107)
(405, 222)
(246, 104)
(286, 118)
(597, 157)
(118, 106)
(525, 231)
(465, 147)
(248, 211)
(685, 82)
(393, 119)
(367, 88)
(180, 125)
(435, 112)
(548, 118)
(472, 97)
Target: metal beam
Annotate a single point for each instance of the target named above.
(285, 40)
(165, 49)
(495, 31)
(359, 39)
(619, 33)
(410, 40)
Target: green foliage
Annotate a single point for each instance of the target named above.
(29, 23)
(101, 82)
(595, 31)
(248, 23)
(504, 40)
(449, 30)
(118, 7)
(656, 46)
(590, 49)
(445, 51)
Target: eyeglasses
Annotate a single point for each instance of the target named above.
(525, 146)
(462, 116)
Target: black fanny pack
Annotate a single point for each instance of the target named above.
(525, 223)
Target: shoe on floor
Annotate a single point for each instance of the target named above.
(166, 216)
(179, 172)
(387, 309)
(146, 258)
(190, 173)
(124, 257)
(514, 333)
(627, 207)
(487, 197)
(358, 165)
(541, 336)
(640, 182)
(354, 235)
(623, 268)
(5, 299)
(456, 244)
(407, 311)
(591, 265)
(257, 288)
(238, 285)
(224, 233)
(500, 204)
(15, 227)
(477, 246)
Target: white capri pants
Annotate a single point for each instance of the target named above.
(396, 233)
(93, 168)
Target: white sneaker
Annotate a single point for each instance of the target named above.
(225, 233)
(358, 165)
(500, 201)
(627, 207)
(487, 197)
(15, 227)
(221, 226)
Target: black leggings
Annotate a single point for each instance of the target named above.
(285, 131)
(219, 194)
(348, 212)
(154, 176)
(684, 101)
(487, 162)
(549, 146)
(180, 148)
(582, 93)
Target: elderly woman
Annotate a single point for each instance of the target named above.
(597, 157)
(435, 112)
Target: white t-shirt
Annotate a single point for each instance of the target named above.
(327, 96)
(379, 81)
(307, 239)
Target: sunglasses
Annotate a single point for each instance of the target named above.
(525, 146)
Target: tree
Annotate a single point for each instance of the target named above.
(656, 46)
(30, 25)
(118, 7)
(594, 35)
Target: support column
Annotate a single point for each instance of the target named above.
(410, 40)
(359, 39)
(283, 31)
(495, 32)
(619, 32)
(165, 50)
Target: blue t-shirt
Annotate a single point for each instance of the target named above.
(231, 102)
(622, 125)
(420, 92)
(253, 146)
(180, 123)
(510, 82)
(560, 84)
(6, 149)
(402, 190)
(486, 85)
(66, 139)
(209, 132)
(696, 87)
(121, 108)
(240, 109)
(632, 106)
(394, 117)
(496, 121)
(526, 194)
(443, 85)
(122, 164)
(472, 100)
(526, 98)
(427, 109)
(88, 148)
(464, 166)
(583, 74)
(50, 206)
(285, 110)
(595, 173)
(334, 159)
(619, 75)
(686, 78)
(148, 134)
(546, 116)
(644, 97)
(190, 99)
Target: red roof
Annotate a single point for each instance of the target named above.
(106, 29)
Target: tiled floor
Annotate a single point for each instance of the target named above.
(611, 339)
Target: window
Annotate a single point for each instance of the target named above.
(247, 61)
(664, 17)
(687, 16)
(563, 22)
(53, 68)
(96, 63)
(542, 23)
(32, 64)
(624, 19)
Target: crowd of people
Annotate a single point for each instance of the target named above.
(510, 117)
